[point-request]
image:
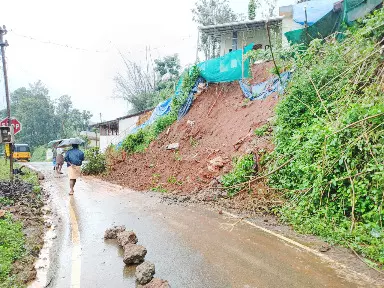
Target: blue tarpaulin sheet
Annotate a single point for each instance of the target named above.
(262, 90)
(316, 10)
(188, 103)
(162, 109)
(165, 107)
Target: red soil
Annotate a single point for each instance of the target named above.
(220, 123)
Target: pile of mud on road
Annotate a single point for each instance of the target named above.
(25, 205)
(220, 125)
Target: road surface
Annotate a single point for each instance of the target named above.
(189, 246)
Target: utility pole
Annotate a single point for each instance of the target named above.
(3, 44)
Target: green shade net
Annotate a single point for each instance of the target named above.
(331, 22)
(350, 4)
(226, 68)
(327, 25)
(355, 9)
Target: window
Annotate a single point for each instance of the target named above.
(22, 149)
(234, 40)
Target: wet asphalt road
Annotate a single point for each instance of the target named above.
(189, 246)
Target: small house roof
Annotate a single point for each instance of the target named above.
(241, 25)
(114, 122)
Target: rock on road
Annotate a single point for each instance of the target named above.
(187, 244)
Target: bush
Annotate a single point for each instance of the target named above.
(139, 141)
(261, 131)
(39, 154)
(243, 169)
(96, 162)
(163, 123)
(331, 124)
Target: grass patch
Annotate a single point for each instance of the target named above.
(13, 244)
(11, 248)
(4, 169)
(243, 169)
(159, 188)
(261, 131)
(173, 180)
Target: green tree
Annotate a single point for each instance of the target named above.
(135, 86)
(212, 12)
(168, 70)
(35, 110)
(251, 10)
(72, 121)
(168, 65)
(63, 111)
(42, 120)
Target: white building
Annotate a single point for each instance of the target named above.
(233, 36)
(115, 131)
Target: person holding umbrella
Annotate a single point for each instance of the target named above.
(74, 158)
(53, 145)
(59, 160)
(54, 153)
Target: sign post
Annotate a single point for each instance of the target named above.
(15, 127)
(14, 122)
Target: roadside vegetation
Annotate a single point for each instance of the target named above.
(11, 248)
(39, 154)
(96, 163)
(243, 169)
(139, 141)
(17, 249)
(330, 124)
(329, 140)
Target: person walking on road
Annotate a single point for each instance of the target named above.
(74, 158)
(54, 155)
(59, 161)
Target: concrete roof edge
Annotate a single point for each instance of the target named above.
(121, 118)
(239, 23)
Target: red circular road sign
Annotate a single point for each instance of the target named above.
(14, 122)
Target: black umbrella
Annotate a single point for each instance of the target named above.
(70, 141)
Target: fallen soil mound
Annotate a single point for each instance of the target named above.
(218, 127)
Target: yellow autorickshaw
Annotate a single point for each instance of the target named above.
(21, 152)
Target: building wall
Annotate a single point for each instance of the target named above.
(288, 23)
(105, 141)
(257, 36)
(125, 127)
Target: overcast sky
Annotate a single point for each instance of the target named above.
(100, 29)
